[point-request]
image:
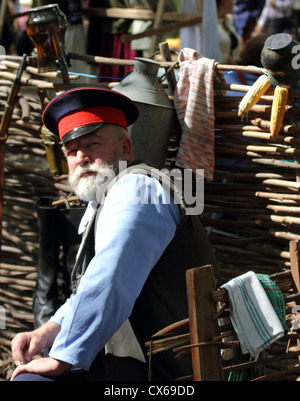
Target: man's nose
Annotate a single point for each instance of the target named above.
(83, 157)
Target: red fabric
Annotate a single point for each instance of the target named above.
(112, 46)
(91, 115)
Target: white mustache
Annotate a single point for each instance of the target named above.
(81, 170)
(86, 186)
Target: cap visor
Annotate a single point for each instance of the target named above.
(80, 131)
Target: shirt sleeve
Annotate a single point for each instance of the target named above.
(136, 224)
(285, 6)
(264, 14)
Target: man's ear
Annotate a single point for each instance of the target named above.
(126, 148)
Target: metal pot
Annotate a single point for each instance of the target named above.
(277, 58)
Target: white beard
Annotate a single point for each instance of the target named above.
(86, 188)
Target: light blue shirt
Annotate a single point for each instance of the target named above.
(131, 235)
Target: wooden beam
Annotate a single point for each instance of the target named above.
(295, 270)
(203, 326)
(157, 23)
(166, 56)
(295, 262)
(126, 13)
(132, 13)
(3, 9)
(163, 29)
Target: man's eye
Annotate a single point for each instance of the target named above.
(71, 152)
(94, 144)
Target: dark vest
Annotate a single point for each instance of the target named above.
(163, 299)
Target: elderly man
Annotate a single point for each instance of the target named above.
(129, 276)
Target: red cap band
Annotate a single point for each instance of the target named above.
(91, 115)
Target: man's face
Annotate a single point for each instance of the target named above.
(92, 161)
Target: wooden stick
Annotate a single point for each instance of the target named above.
(166, 56)
(163, 29)
(3, 9)
(274, 162)
(135, 13)
(221, 344)
(260, 362)
(282, 183)
(266, 149)
(290, 371)
(181, 325)
(284, 209)
(157, 23)
(12, 281)
(259, 125)
(281, 197)
(164, 344)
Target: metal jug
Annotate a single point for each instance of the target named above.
(150, 134)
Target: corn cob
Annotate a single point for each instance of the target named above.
(281, 95)
(260, 86)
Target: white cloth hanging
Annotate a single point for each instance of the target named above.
(201, 37)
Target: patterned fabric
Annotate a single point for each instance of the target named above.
(252, 315)
(194, 103)
(245, 374)
(275, 296)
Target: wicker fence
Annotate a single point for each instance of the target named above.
(251, 207)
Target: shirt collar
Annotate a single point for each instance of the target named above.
(87, 216)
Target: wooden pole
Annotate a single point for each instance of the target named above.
(157, 22)
(6, 118)
(202, 309)
(295, 269)
(163, 29)
(166, 56)
(2, 16)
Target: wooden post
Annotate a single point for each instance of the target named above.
(4, 125)
(295, 262)
(203, 326)
(295, 270)
(166, 56)
(3, 9)
(157, 22)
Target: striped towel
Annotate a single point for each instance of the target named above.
(194, 104)
(275, 296)
(253, 317)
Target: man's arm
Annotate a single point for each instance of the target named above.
(133, 233)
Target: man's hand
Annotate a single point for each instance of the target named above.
(43, 366)
(25, 345)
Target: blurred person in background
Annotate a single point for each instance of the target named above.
(202, 37)
(250, 56)
(276, 17)
(245, 16)
(229, 41)
(296, 14)
(7, 31)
